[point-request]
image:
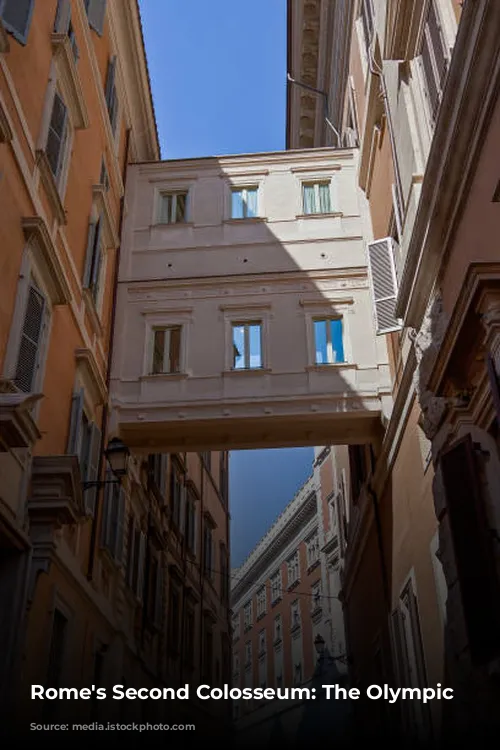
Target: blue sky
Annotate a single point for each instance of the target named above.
(218, 74)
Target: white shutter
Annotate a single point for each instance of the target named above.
(96, 10)
(384, 285)
(31, 339)
(75, 423)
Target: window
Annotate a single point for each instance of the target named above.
(248, 653)
(248, 615)
(236, 627)
(176, 497)
(208, 651)
(434, 57)
(32, 340)
(247, 346)
(63, 25)
(136, 558)
(358, 466)
(295, 615)
(262, 642)
(104, 176)
(166, 350)
(189, 641)
(297, 674)
(57, 138)
(57, 648)
(312, 549)
(191, 522)
(244, 203)
(209, 550)
(368, 23)
(224, 575)
(316, 198)
(96, 10)
(261, 601)
(94, 257)
(276, 587)
(277, 629)
(113, 517)
(111, 95)
(316, 596)
(16, 17)
(293, 569)
(154, 590)
(174, 619)
(173, 208)
(84, 441)
(328, 340)
(158, 463)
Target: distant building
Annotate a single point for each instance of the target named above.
(281, 602)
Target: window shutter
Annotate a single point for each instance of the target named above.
(89, 253)
(159, 595)
(140, 566)
(120, 525)
(470, 530)
(96, 256)
(109, 91)
(75, 422)
(94, 453)
(56, 138)
(383, 282)
(63, 17)
(31, 338)
(96, 10)
(107, 518)
(16, 17)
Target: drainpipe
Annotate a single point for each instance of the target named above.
(105, 408)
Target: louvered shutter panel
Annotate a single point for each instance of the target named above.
(474, 555)
(140, 566)
(75, 423)
(31, 338)
(93, 467)
(16, 17)
(120, 525)
(383, 282)
(63, 17)
(96, 11)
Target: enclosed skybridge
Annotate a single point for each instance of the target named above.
(244, 314)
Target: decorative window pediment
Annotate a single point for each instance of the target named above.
(47, 258)
(91, 377)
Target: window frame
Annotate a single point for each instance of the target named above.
(292, 563)
(329, 340)
(246, 325)
(261, 601)
(244, 190)
(172, 193)
(316, 183)
(277, 578)
(313, 538)
(167, 349)
(248, 615)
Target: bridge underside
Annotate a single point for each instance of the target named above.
(245, 433)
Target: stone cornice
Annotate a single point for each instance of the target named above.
(471, 91)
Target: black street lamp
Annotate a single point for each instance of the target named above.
(117, 454)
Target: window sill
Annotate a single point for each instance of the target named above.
(276, 601)
(261, 616)
(248, 371)
(50, 186)
(295, 628)
(329, 215)
(293, 585)
(165, 376)
(170, 224)
(313, 566)
(332, 366)
(247, 220)
(92, 311)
